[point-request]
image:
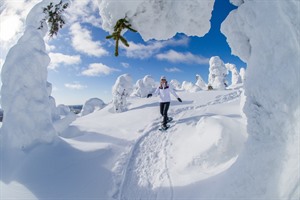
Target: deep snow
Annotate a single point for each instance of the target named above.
(108, 155)
(265, 34)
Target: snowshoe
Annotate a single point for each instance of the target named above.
(169, 120)
(164, 128)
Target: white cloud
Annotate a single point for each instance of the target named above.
(97, 69)
(177, 57)
(173, 69)
(145, 51)
(59, 58)
(83, 11)
(125, 65)
(82, 42)
(75, 86)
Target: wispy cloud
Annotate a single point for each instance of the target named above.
(98, 69)
(59, 58)
(125, 65)
(75, 86)
(173, 69)
(82, 42)
(177, 57)
(142, 51)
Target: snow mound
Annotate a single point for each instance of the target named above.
(92, 105)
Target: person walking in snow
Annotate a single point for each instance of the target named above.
(164, 90)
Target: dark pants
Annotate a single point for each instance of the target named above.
(164, 107)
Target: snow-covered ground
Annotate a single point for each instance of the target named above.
(108, 155)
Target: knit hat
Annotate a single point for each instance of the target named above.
(163, 77)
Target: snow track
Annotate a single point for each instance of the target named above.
(143, 172)
(147, 168)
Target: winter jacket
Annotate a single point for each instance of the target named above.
(164, 93)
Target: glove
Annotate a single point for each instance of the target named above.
(179, 99)
(149, 95)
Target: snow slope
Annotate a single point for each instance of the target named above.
(107, 155)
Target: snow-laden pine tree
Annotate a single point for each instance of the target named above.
(122, 89)
(217, 73)
(200, 82)
(189, 86)
(144, 86)
(235, 76)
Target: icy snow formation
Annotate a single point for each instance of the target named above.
(91, 105)
(235, 76)
(25, 98)
(176, 85)
(217, 73)
(144, 86)
(243, 74)
(200, 82)
(265, 34)
(159, 19)
(121, 90)
(189, 86)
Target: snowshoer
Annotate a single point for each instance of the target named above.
(164, 90)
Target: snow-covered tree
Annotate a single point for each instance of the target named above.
(176, 84)
(200, 82)
(144, 86)
(189, 86)
(121, 90)
(91, 105)
(243, 74)
(217, 73)
(265, 35)
(235, 76)
(25, 96)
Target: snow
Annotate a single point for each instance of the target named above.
(189, 86)
(243, 74)
(24, 95)
(200, 82)
(167, 17)
(121, 90)
(239, 143)
(217, 73)
(110, 156)
(91, 105)
(235, 76)
(266, 36)
(144, 86)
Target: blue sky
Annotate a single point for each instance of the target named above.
(84, 66)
